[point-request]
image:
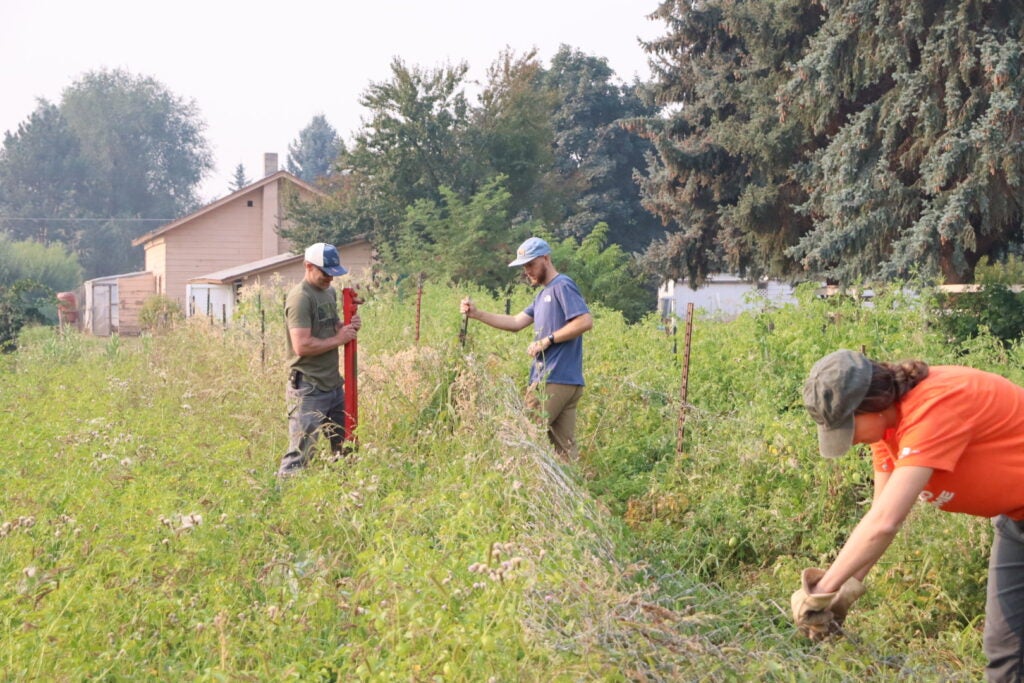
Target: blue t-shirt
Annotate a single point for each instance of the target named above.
(559, 302)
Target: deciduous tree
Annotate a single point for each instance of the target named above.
(605, 273)
(512, 128)
(456, 240)
(596, 156)
(43, 179)
(119, 154)
(411, 146)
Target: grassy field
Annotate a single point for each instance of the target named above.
(144, 535)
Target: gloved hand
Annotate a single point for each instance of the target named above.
(821, 614)
(811, 611)
(847, 595)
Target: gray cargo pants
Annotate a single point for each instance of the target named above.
(311, 410)
(1004, 604)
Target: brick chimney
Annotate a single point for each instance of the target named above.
(269, 163)
(271, 208)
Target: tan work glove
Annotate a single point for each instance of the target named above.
(847, 595)
(811, 611)
(820, 615)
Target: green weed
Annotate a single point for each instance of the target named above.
(144, 536)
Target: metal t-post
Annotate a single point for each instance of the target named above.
(686, 379)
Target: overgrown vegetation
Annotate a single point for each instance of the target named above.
(996, 308)
(143, 535)
(159, 313)
(22, 303)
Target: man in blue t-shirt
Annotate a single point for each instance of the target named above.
(560, 317)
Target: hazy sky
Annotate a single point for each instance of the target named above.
(260, 70)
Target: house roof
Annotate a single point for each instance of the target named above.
(228, 275)
(114, 278)
(273, 177)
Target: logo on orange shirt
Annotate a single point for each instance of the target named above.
(937, 501)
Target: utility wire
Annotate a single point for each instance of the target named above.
(74, 220)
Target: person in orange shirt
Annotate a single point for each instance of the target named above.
(950, 436)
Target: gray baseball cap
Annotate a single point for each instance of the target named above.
(836, 386)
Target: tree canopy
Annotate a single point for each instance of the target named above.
(836, 139)
(441, 183)
(239, 179)
(918, 105)
(313, 154)
(42, 179)
(51, 266)
(118, 155)
(596, 155)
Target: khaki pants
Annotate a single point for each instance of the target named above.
(558, 403)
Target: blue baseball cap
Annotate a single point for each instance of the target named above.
(325, 257)
(529, 250)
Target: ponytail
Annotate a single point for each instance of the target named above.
(890, 382)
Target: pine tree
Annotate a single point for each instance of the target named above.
(722, 179)
(239, 180)
(840, 139)
(918, 106)
(313, 154)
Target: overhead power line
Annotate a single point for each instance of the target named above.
(77, 220)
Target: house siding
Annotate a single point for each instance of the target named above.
(270, 216)
(156, 263)
(289, 274)
(212, 242)
(358, 258)
(724, 296)
(236, 230)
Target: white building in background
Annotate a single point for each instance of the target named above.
(723, 296)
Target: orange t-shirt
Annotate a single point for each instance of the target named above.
(968, 426)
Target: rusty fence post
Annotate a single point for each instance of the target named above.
(684, 386)
(263, 338)
(419, 305)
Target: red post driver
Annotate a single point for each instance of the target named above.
(350, 302)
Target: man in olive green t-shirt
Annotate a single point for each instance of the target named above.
(315, 395)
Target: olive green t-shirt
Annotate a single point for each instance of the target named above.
(315, 309)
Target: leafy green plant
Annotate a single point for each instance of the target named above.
(996, 307)
(20, 304)
(605, 273)
(160, 313)
(146, 536)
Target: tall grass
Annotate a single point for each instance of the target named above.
(144, 536)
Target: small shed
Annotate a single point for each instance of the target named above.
(112, 303)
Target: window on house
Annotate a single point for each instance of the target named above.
(249, 203)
